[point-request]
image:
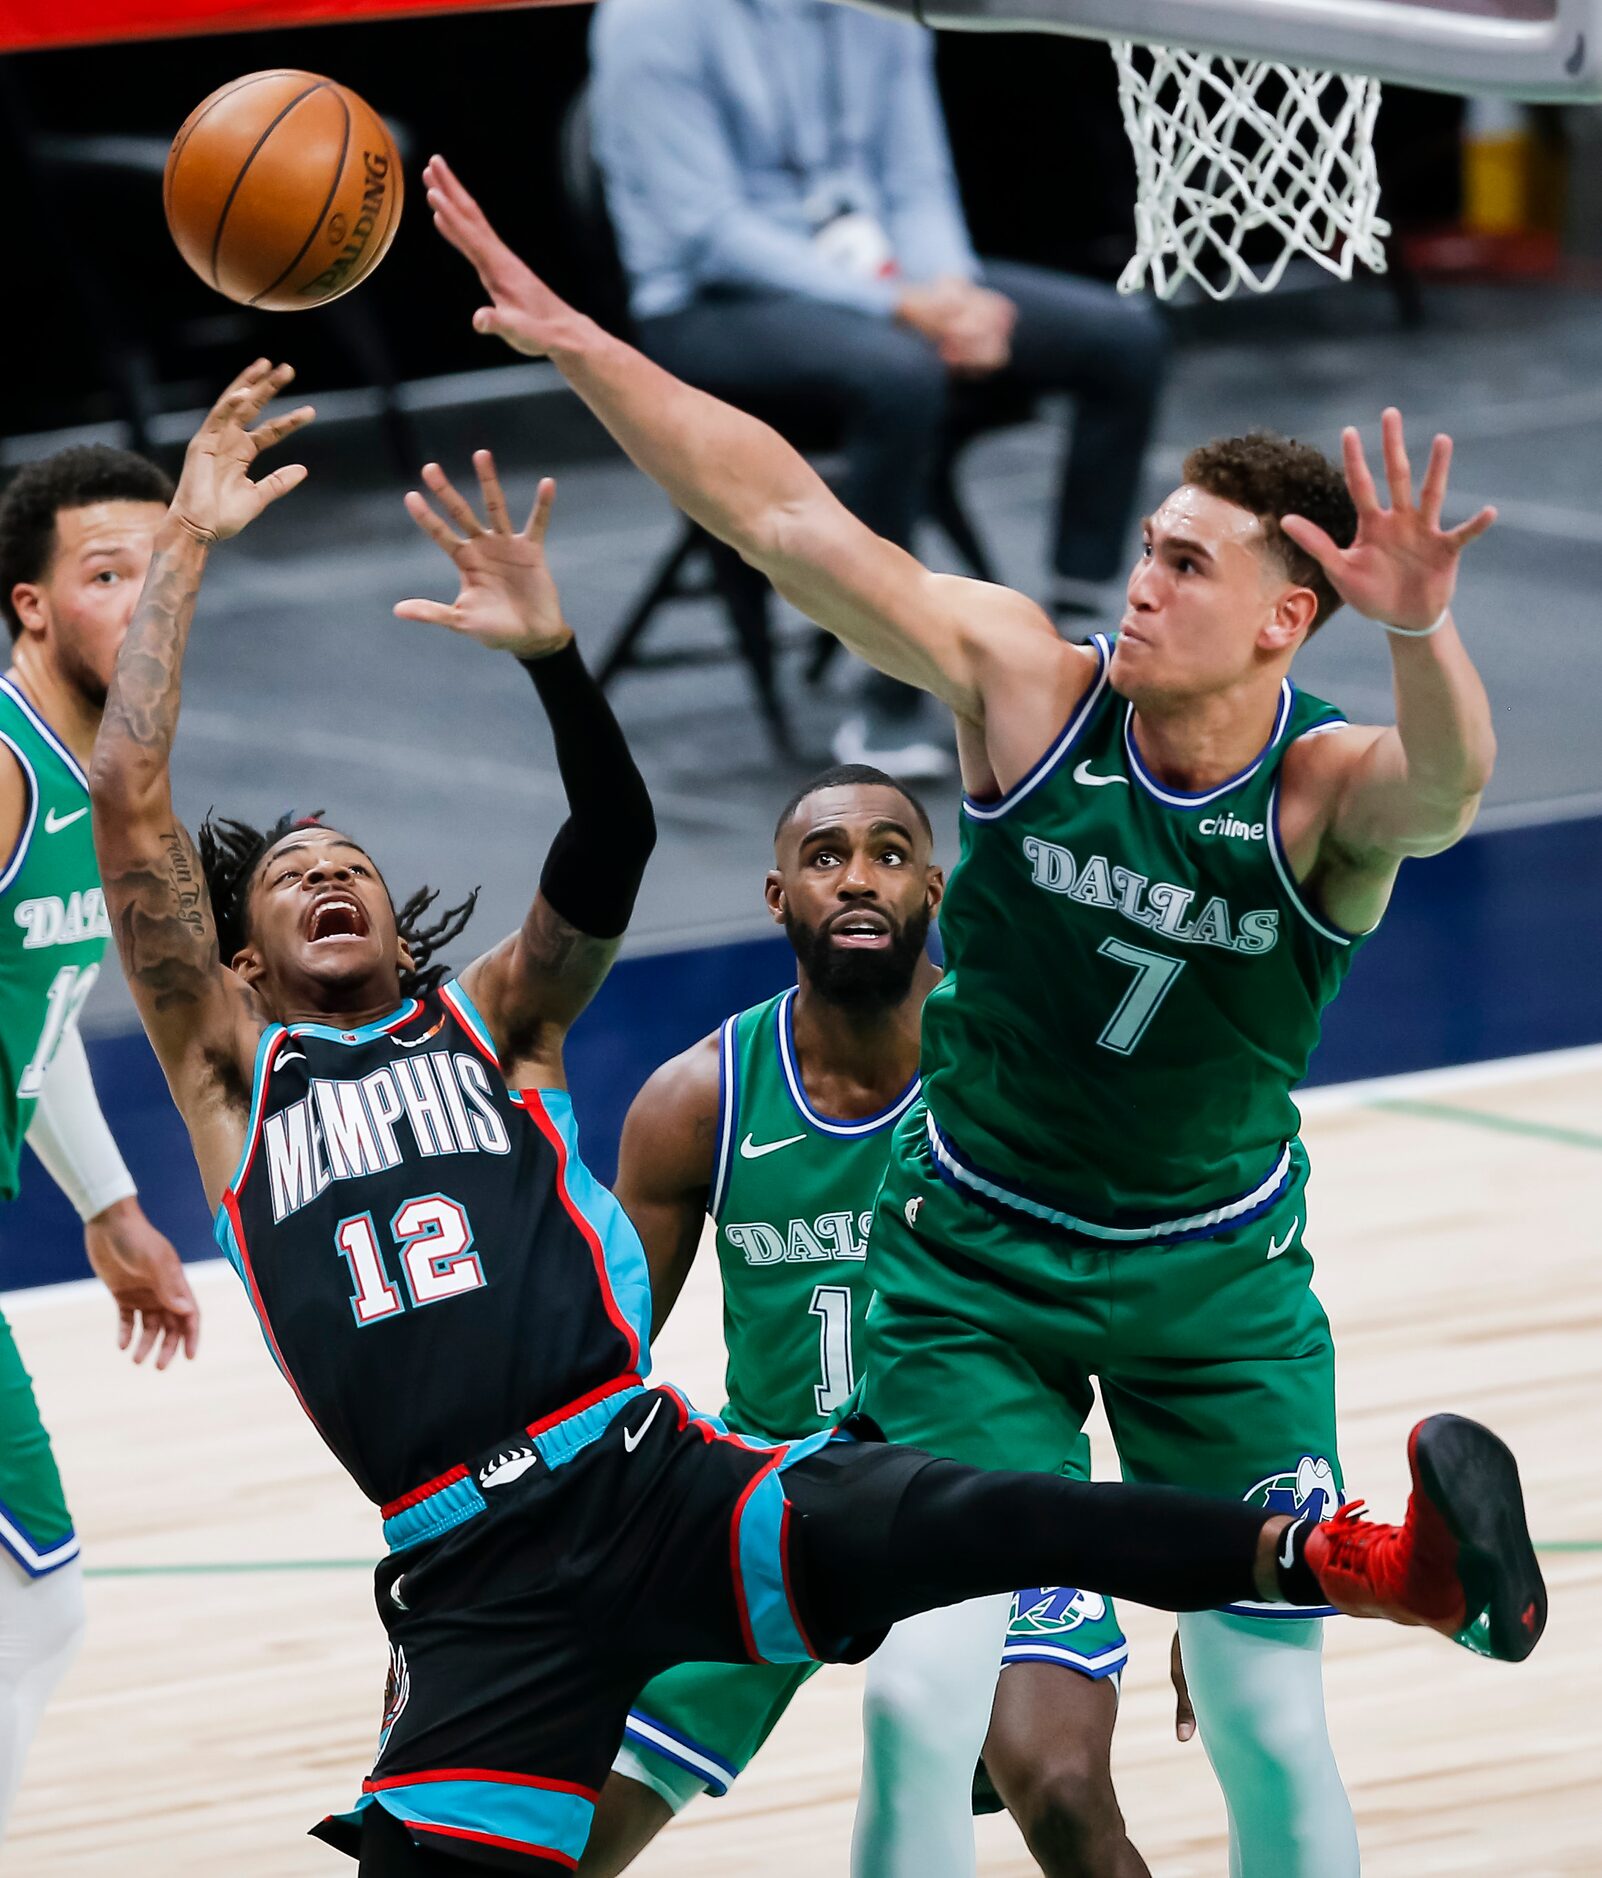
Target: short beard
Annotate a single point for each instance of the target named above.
(83, 678)
(860, 980)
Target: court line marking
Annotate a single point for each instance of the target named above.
(1502, 1124)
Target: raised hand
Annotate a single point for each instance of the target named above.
(143, 1273)
(524, 312)
(507, 599)
(1402, 565)
(216, 497)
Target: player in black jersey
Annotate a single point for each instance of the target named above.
(463, 1311)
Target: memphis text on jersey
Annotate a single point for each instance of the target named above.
(342, 1130)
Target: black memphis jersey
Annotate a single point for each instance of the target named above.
(432, 1264)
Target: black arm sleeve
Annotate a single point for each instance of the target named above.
(598, 858)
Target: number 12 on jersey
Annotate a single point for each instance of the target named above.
(436, 1253)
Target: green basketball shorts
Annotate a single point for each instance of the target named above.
(35, 1526)
(1214, 1358)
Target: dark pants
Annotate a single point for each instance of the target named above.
(890, 395)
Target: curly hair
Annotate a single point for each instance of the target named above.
(71, 479)
(231, 852)
(1274, 476)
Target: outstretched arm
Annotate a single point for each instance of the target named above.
(532, 986)
(664, 1167)
(200, 1018)
(983, 650)
(1413, 788)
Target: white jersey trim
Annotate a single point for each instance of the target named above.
(728, 1113)
(845, 1131)
(1032, 779)
(19, 853)
(32, 1560)
(1033, 1650)
(1177, 798)
(1214, 1217)
(46, 732)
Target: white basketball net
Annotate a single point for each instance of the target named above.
(1225, 147)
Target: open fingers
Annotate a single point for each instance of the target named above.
(494, 496)
(1398, 471)
(1472, 529)
(1312, 539)
(275, 429)
(149, 1330)
(1432, 491)
(1359, 482)
(539, 517)
(170, 1337)
(425, 612)
(451, 500)
(417, 508)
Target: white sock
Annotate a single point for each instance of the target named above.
(925, 1713)
(1258, 1689)
(41, 1626)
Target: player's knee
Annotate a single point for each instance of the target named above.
(906, 1719)
(1068, 1813)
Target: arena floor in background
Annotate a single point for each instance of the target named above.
(229, 1691)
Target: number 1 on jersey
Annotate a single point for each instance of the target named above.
(1155, 973)
(832, 1304)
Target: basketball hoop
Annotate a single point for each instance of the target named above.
(1226, 147)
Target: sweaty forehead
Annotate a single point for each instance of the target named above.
(315, 842)
(100, 527)
(1207, 519)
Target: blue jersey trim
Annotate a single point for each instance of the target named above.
(363, 1033)
(1066, 739)
(19, 853)
(760, 1546)
(462, 1006)
(35, 1556)
(650, 1736)
(1276, 850)
(626, 1269)
(1280, 1613)
(518, 1817)
(444, 1510)
(258, 1090)
(74, 767)
(1184, 799)
(728, 1112)
(784, 1027)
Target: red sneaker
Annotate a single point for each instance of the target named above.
(1460, 1563)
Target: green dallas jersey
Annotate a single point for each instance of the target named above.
(1133, 987)
(792, 1195)
(53, 926)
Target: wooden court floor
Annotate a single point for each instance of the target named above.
(228, 1694)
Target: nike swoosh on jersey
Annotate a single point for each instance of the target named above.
(1275, 1247)
(632, 1437)
(1083, 773)
(55, 823)
(750, 1151)
(1287, 1556)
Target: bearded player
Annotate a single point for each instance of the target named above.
(75, 538)
(463, 1311)
(1170, 856)
(777, 1127)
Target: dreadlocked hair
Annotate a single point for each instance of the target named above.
(230, 853)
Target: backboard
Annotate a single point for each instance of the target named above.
(1537, 49)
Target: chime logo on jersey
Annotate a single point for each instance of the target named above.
(438, 1103)
(1158, 905)
(804, 1241)
(1309, 1493)
(1050, 1610)
(52, 921)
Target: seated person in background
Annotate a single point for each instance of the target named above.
(780, 181)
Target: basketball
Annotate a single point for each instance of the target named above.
(283, 190)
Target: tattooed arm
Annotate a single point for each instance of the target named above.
(201, 1019)
(532, 986)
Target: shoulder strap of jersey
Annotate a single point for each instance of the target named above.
(728, 1111)
(19, 853)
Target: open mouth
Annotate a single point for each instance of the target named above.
(337, 917)
(859, 931)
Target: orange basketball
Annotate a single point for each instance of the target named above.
(283, 190)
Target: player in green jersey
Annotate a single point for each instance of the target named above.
(777, 1126)
(1169, 856)
(75, 537)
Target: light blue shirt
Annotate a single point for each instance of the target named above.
(716, 122)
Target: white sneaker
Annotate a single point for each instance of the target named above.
(909, 759)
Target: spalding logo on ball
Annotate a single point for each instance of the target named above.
(283, 190)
